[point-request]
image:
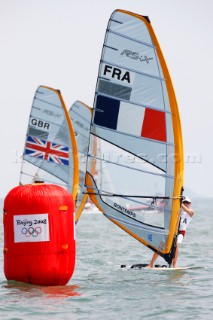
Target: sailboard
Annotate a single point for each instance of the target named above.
(50, 151)
(136, 121)
(159, 267)
(81, 115)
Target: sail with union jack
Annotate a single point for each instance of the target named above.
(47, 150)
(50, 151)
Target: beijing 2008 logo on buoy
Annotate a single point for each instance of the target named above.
(31, 232)
(31, 228)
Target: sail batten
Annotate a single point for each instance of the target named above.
(129, 38)
(46, 102)
(141, 226)
(131, 135)
(133, 103)
(132, 70)
(121, 165)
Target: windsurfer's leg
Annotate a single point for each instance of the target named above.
(175, 257)
(179, 241)
(151, 264)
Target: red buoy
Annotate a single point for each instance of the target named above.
(39, 235)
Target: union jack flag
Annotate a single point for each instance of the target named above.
(46, 150)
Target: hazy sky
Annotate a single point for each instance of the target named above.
(58, 43)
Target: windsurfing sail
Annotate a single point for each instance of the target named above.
(136, 121)
(50, 151)
(81, 115)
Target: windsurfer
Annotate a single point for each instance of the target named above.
(186, 214)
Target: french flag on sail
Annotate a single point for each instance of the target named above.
(130, 118)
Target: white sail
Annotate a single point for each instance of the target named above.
(80, 115)
(50, 151)
(136, 122)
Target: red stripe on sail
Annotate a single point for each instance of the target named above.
(154, 125)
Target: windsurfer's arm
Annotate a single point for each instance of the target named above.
(188, 210)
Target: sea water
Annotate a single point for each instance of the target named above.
(100, 289)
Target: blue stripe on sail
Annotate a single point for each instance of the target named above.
(108, 116)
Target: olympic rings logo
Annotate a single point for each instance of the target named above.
(34, 232)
